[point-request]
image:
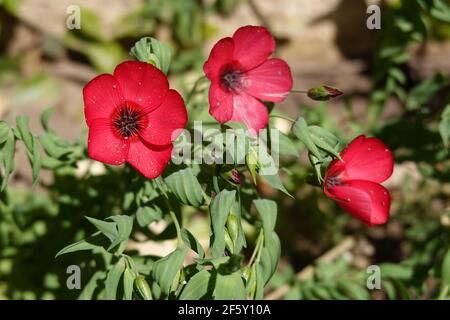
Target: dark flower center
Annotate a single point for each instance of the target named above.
(333, 181)
(128, 121)
(232, 79)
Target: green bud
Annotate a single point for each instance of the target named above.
(228, 242)
(323, 93)
(233, 226)
(143, 288)
(253, 164)
(232, 176)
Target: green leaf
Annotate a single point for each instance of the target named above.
(229, 287)
(325, 140)
(396, 271)
(124, 226)
(424, 91)
(301, 131)
(444, 126)
(148, 214)
(192, 242)
(90, 24)
(85, 244)
(165, 269)
(113, 278)
(92, 285)
(446, 271)
(197, 287)
(286, 146)
(4, 131)
(128, 283)
(186, 187)
(220, 209)
(24, 133)
(54, 146)
(152, 51)
(109, 229)
(353, 290)
(7, 157)
(270, 257)
(34, 156)
(267, 210)
(275, 182)
(45, 117)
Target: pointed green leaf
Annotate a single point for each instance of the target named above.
(148, 214)
(197, 287)
(109, 229)
(128, 283)
(301, 131)
(192, 242)
(267, 210)
(113, 279)
(220, 208)
(165, 269)
(186, 187)
(229, 287)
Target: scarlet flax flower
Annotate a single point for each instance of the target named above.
(242, 75)
(355, 181)
(133, 117)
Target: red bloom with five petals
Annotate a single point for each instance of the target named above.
(355, 181)
(242, 75)
(133, 117)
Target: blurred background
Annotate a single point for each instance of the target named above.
(395, 84)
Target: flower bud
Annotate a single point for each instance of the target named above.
(228, 242)
(233, 226)
(143, 288)
(323, 93)
(232, 176)
(253, 164)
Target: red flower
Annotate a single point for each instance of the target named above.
(133, 117)
(355, 181)
(242, 75)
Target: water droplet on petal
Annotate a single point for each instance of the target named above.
(114, 86)
(385, 193)
(383, 204)
(369, 149)
(348, 199)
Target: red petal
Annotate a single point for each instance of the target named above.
(101, 98)
(104, 145)
(142, 83)
(220, 103)
(149, 160)
(367, 159)
(365, 200)
(252, 46)
(250, 111)
(271, 81)
(164, 122)
(221, 54)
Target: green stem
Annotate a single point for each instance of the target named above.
(171, 211)
(256, 252)
(282, 117)
(193, 91)
(299, 91)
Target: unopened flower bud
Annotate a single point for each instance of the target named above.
(252, 162)
(143, 288)
(232, 176)
(323, 93)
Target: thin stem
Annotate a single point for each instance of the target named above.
(171, 211)
(193, 91)
(282, 117)
(256, 252)
(299, 91)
